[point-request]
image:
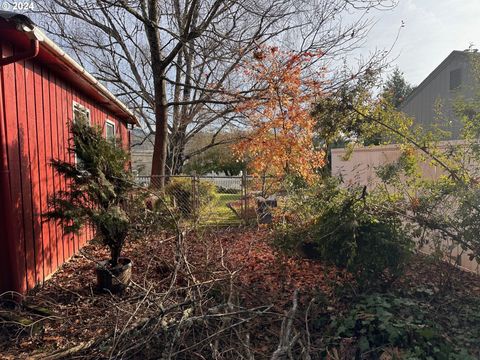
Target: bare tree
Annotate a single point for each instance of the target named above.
(174, 62)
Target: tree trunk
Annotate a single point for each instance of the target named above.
(175, 160)
(115, 252)
(159, 159)
(176, 152)
(161, 132)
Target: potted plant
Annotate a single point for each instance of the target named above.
(99, 188)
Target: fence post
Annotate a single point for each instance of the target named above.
(194, 195)
(244, 195)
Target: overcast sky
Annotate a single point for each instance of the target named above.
(433, 29)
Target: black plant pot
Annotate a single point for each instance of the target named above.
(114, 279)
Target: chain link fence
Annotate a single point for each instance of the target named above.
(218, 200)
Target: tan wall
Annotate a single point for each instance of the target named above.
(360, 169)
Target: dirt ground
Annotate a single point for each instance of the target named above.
(67, 313)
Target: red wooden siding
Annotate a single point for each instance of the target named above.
(35, 107)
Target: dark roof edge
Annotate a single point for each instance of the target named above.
(8, 15)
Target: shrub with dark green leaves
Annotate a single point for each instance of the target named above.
(382, 323)
(149, 215)
(355, 233)
(351, 229)
(189, 193)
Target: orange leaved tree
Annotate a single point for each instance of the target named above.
(281, 140)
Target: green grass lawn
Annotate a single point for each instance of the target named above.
(219, 213)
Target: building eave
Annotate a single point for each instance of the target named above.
(53, 56)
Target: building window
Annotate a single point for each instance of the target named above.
(455, 79)
(80, 112)
(110, 130)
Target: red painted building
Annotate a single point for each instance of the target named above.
(41, 90)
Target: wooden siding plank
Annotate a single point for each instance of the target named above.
(34, 172)
(9, 274)
(6, 273)
(13, 148)
(123, 133)
(42, 169)
(61, 121)
(56, 111)
(24, 160)
(49, 155)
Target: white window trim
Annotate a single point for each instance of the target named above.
(83, 108)
(110, 122)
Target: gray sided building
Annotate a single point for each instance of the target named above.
(431, 103)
